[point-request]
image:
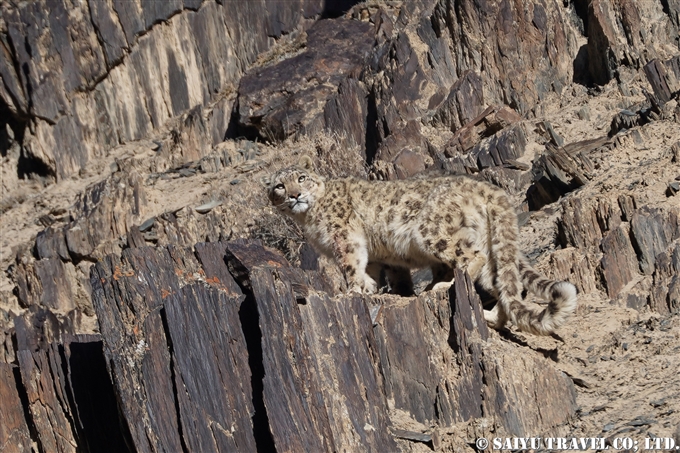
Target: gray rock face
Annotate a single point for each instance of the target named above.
(622, 33)
(88, 77)
(297, 94)
(404, 88)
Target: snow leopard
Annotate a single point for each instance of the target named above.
(442, 222)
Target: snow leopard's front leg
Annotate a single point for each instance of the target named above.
(351, 253)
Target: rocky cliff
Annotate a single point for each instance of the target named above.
(151, 300)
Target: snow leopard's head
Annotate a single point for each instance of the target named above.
(295, 189)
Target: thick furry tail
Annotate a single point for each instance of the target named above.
(561, 295)
(513, 270)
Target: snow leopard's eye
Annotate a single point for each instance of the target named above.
(302, 178)
(278, 187)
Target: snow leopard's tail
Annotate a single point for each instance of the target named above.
(562, 295)
(512, 270)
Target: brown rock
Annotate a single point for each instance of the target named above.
(56, 287)
(14, 433)
(628, 205)
(490, 121)
(665, 294)
(51, 243)
(408, 163)
(619, 265)
(173, 307)
(359, 417)
(502, 148)
(605, 51)
(661, 80)
(285, 379)
(291, 96)
(561, 170)
(578, 225)
(74, 101)
(652, 230)
(53, 365)
(405, 151)
(463, 104)
(103, 213)
(573, 265)
(409, 137)
(510, 44)
(416, 378)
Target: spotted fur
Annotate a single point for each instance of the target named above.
(442, 223)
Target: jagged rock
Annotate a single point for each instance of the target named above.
(98, 55)
(103, 213)
(387, 101)
(157, 356)
(673, 188)
(294, 94)
(406, 150)
(463, 104)
(180, 325)
(69, 396)
(364, 421)
(547, 130)
(562, 170)
(407, 163)
(603, 52)
(663, 85)
(513, 177)
(409, 137)
(619, 265)
(46, 282)
(627, 204)
(416, 378)
(579, 226)
(14, 433)
(573, 265)
(665, 294)
(240, 317)
(266, 314)
(619, 34)
(194, 136)
(51, 243)
(489, 122)
(507, 43)
(500, 149)
(652, 230)
(109, 30)
(98, 220)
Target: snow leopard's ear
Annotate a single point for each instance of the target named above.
(266, 181)
(306, 163)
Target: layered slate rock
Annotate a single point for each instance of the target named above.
(113, 75)
(418, 365)
(55, 276)
(224, 369)
(317, 358)
(665, 296)
(14, 433)
(312, 90)
(620, 244)
(227, 347)
(69, 401)
(622, 35)
(174, 351)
